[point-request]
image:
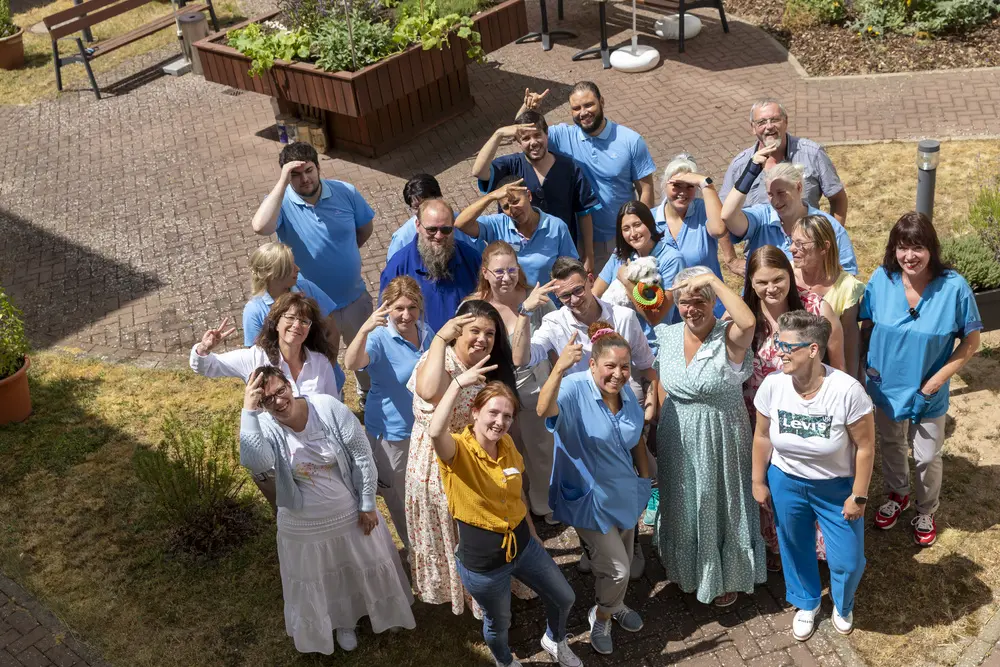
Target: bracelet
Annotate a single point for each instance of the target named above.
(458, 383)
(750, 174)
(437, 335)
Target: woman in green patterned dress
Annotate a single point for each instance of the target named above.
(708, 526)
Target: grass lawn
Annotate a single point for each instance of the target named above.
(36, 80)
(77, 530)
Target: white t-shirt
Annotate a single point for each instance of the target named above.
(810, 438)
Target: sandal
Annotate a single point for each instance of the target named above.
(773, 562)
(725, 600)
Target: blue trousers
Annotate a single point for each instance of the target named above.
(533, 567)
(798, 504)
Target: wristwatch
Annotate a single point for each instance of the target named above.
(522, 311)
(707, 181)
(860, 500)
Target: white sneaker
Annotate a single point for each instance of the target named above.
(347, 639)
(560, 652)
(804, 623)
(843, 625)
(583, 565)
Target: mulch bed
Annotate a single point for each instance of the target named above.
(835, 50)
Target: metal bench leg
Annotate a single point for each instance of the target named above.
(55, 59)
(86, 64)
(215, 19)
(680, 35)
(722, 16)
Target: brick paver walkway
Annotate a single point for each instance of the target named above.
(125, 231)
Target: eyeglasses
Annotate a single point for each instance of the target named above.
(268, 401)
(798, 245)
(575, 292)
(510, 273)
(444, 230)
(763, 122)
(304, 321)
(788, 348)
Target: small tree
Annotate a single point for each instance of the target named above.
(13, 342)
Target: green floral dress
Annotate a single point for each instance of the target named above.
(708, 524)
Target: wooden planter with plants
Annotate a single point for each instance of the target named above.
(375, 109)
(11, 40)
(15, 399)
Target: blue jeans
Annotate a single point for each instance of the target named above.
(798, 504)
(534, 568)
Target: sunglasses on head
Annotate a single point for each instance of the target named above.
(788, 348)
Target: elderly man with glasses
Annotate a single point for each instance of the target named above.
(446, 271)
(769, 125)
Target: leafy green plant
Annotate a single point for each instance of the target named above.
(264, 45)
(196, 482)
(984, 214)
(971, 258)
(373, 41)
(875, 18)
(7, 27)
(800, 14)
(940, 16)
(13, 341)
(431, 31)
(444, 7)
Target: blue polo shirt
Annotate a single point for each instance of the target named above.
(764, 228)
(259, 306)
(537, 254)
(565, 193)
(441, 297)
(408, 231)
(670, 262)
(324, 239)
(391, 359)
(905, 351)
(612, 162)
(696, 245)
(594, 485)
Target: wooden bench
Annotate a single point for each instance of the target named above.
(79, 18)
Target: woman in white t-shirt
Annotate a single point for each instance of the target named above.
(813, 451)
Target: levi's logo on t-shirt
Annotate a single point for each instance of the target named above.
(804, 426)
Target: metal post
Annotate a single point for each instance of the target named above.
(928, 156)
(87, 35)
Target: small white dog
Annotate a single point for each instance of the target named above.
(642, 270)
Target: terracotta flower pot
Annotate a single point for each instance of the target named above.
(12, 51)
(15, 400)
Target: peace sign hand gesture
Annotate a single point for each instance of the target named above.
(538, 295)
(452, 329)
(215, 336)
(533, 101)
(475, 374)
(379, 318)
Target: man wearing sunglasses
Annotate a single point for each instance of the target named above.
(446, 271)
(769, 125)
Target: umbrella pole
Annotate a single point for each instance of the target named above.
(350, 35)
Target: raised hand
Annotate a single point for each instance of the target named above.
(766, 151)
(476, 374)
(539, 295)
(533, 101)
(695, 282)
(379, 318)
(687, 179)
(510, 131)
(452, 329)
(254, 392)
(213, 337)
(503, 192)
(570, 356)
(286, 171)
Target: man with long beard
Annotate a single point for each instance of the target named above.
(446, 271)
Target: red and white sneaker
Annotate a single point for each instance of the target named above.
(889, 512)
(924, 530)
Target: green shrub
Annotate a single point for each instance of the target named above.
(940, 16)
(444, 7)
(196, 482)
(970, 257)
(373, 41)
(800, 14)
(431, 30)
(875, 18)
(13, 341)
(7, 27)
(263, 45)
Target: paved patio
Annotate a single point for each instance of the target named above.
(125, 224)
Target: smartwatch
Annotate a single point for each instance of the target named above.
(707, 181)
(860, 500)
(522, 311)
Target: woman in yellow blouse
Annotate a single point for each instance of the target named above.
(482, 474)
(817, 268)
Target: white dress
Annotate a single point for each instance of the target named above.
(332, 574)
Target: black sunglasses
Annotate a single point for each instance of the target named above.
(445, 230)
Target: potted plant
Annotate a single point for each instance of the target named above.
(15, 401)
(11, 45)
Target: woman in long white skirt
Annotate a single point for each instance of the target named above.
(338, 561)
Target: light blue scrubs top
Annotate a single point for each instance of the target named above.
(612, 161)
(696, 245)
(537, 254)
(324, 239)
(594, 485)
(408, 231)
(765, 228)
(389, 408)
(259, 306)
(670, 262)
(905, 351)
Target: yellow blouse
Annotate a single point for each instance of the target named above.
(484, 492)
(845, 292)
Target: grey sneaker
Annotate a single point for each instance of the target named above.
(600, 633)
(583, 565)
(629, 619)
(638, 565)
(561, 652)
(513, 663)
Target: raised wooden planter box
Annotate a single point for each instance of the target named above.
(380, 107)
(989, 309)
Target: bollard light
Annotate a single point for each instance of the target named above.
(928, 158)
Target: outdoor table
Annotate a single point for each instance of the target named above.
(603, 49)
(545, 35)
(686, 5)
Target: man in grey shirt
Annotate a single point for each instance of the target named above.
(769, 124)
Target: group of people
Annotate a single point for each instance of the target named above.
(498, 385)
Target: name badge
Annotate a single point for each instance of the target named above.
(510, 472)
